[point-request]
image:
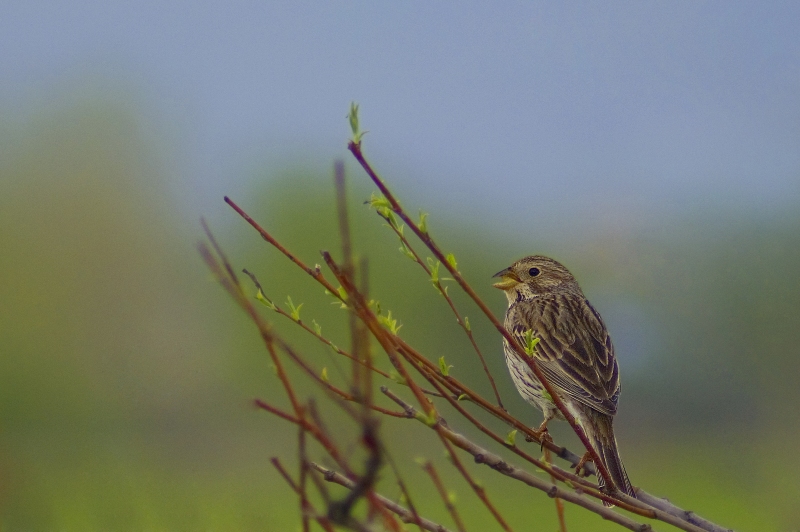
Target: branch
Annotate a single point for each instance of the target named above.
(355, 148)
(494, 461)
(397, 349)
(405, 515)
(437, 481)
(437, 283)
(307, 507)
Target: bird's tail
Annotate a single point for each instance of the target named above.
(604, 442)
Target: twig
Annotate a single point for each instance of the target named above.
(403, 488)
(452, 384)
(479, 490)
(443, 291)
(404, 514)
(436, 424)
(307, 507)
(313, 272)
(303, 459)
(316, 432)
(437, 481)
(562, 522)
(560, 474)
(361, 308)
(234, 287)
(687, 515)
(355, 148)
(281, 312)
(308, 329)
(348, 270)
(494, 461)
(319, 433)
(341, 393)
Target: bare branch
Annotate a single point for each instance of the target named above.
(494, 461)
(307, 508)
(437, 283)
(401, 355)
(405, 515)
(430, 469)
(355, 148)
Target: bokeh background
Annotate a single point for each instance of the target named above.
(653, 148)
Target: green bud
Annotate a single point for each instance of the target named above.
(353, 116)
(396, 377)
(424, 418)
(511, 438)
(389, 322)
(444, 367)
(265, 300)
(434, 267)
(379, 201)
(354, 125)
(423, 222)
(407, 252)
(343, 297)
(530, 343)
(295, 311)
(451, 260)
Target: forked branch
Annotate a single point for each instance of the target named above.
(429, 383)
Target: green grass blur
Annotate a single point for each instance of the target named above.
(126, 373)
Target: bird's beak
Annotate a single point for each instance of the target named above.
(508, 280)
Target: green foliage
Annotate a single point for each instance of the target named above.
(530, 343)
(355, 127)
(260, 296)
(389, 322)
(396, 377)
(294, 311)
(511, 438)
(433, 265)
(444, 368)
(451, 260)
(423, 222)
(429, 420)
(407, 252)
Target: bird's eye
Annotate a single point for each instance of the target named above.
(533, 272)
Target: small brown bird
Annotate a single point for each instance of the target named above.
(574, 352)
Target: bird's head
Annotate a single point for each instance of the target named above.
(534, 276)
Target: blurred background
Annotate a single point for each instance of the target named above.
(652, 148)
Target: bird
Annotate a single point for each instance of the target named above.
(574, 352)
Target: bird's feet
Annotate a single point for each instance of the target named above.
(542, 435)
(580, 470)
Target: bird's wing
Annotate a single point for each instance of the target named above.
(574, 351)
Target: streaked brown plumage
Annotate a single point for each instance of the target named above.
(574, 352)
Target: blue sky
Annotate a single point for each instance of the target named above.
(623, 110)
